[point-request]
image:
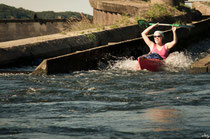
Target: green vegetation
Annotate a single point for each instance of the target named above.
(8, 12)
(179, 22)
(124, 21)
(91, 37)
(83, 23)
(114, 26)
(99, 28)
(156, 12)
(163, 12)
(160, 12)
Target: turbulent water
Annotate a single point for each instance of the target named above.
(117, 102)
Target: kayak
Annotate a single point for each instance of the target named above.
(150, 64)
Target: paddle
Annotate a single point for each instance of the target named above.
(143, 23)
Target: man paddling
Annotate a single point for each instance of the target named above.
(158, 50)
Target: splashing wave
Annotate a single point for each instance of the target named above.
(125, 64)
(177, 61)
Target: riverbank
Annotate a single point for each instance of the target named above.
(24, 51)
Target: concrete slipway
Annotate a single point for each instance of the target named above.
(88, 59)
(25, 50)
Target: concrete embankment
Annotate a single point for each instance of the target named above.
(89, 59)
(25, 50)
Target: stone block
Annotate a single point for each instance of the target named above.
(203, 8)
(201, 66)
(107, 12)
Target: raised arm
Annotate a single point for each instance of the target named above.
(146, 38)
(171, 44)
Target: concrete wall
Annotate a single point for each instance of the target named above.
(37, 49)
(105, 18)
(19, 29)
(89, 59)
(107, 12)
(203, 8)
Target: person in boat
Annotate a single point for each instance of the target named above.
(158, 50)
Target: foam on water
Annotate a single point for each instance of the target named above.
(125, 64)
(177, 61)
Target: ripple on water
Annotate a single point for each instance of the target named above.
(117, 102)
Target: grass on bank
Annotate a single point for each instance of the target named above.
(75, 24)
(84, 23)
(155, 13)
(160, 12)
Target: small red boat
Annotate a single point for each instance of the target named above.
(150, 64)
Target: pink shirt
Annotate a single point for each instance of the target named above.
(163, 52)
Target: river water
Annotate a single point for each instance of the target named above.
(116, 102)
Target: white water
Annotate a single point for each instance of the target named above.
(126, 64)
(176, 61)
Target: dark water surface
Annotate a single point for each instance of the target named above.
(111, 103)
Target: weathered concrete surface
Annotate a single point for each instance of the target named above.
(19, 29)
(119, 6)
(88, 59)
(105, 18)
(202, 7)
(16, 52)
(107, 12)
(201, 66)
(130, 7)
